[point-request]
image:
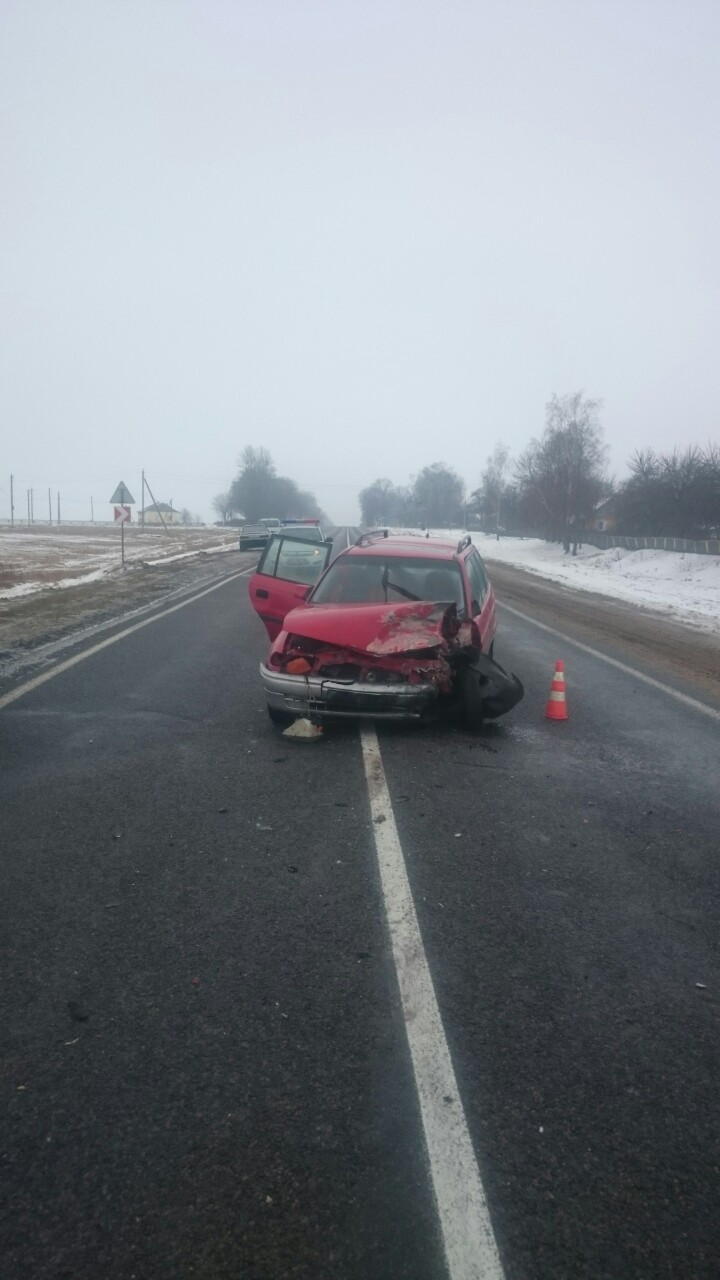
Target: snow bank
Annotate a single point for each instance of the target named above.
(31, 588)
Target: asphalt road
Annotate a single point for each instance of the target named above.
(205, 1058)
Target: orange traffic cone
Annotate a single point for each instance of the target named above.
(556, 708)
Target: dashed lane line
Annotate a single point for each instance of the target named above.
(57, 670)
(620, 666)
(470, 1246)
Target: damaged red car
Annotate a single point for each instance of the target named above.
(395, 628)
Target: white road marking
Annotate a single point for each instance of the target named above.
(35, 683)
(470, 1246)
(620, 666)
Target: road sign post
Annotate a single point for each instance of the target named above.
(122, 517)
(122, 498)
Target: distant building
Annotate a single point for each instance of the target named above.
(153, 514)
(603, 518)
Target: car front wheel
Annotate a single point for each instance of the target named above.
(471, 698)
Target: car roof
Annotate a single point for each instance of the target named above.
(405, 545)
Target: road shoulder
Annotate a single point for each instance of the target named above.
(637, 636)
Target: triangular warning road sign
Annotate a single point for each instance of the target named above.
(122, 494)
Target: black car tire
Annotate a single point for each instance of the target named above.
(280, 718)
(471, 695)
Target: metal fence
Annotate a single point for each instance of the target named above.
(24, 523)
(703, 547)
(603, 541)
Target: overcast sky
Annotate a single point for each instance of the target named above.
(367, 234)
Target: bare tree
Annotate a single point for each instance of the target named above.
(440, 495)
(562, 476)
(672, 494)
(222, 506)
(492, 489)
(259, 491)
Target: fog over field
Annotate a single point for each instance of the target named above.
(366, 237)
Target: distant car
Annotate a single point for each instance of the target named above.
(270, 522)
(252, 537)
(309, 529)
(393, 629)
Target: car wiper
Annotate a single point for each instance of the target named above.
(400, 590)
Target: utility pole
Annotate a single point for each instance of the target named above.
(142, 503)
(12, 502)
(58, 515)
(92, 512)
(49, 508)
(32, 506)
(152, 495)
(27, 495)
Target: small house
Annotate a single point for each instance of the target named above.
(603, 518)
(159, 512)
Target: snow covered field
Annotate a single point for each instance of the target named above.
(36, 559)
(682, 585)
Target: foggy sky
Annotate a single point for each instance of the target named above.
(367, 234)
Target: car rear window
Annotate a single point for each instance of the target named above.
(374, 579)
(254, 531)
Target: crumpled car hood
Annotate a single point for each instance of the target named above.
(406, 627)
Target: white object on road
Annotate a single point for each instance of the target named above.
(303, 730)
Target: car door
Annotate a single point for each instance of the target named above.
(287, 570)
(482, 599)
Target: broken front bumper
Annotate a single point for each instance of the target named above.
(315, 696)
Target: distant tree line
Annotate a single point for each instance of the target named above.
(435, 497)
(258, 491)
(554, 486)
(557, 480)
(676, 494)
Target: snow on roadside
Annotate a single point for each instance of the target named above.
(681, 584)
(215, 548)
(30, 588)
(36, 560)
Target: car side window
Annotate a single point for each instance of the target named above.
(478, 577)
(294, 560)
(268, 560)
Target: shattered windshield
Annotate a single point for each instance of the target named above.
(376, 579)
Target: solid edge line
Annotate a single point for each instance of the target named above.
(35, 683)
(470, 1246)
(620, 666)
